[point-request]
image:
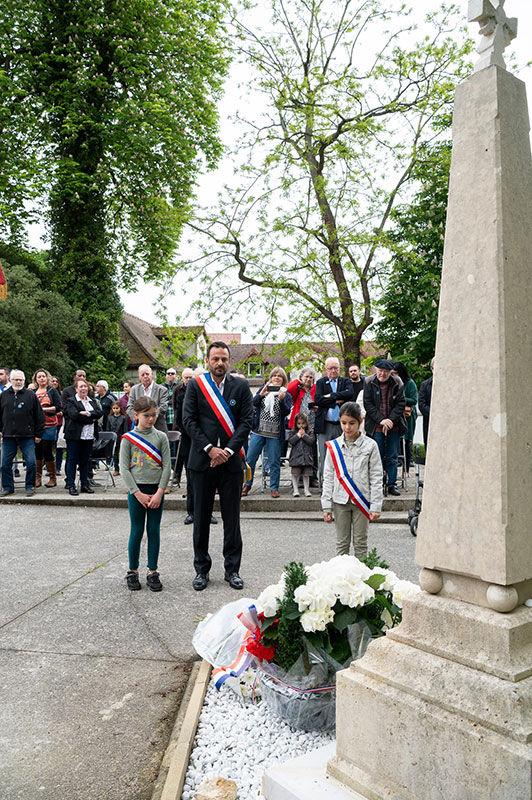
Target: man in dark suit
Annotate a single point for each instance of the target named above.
(424, 401)
(332, 391)
(215, 461)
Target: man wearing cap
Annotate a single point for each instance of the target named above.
(384, 402)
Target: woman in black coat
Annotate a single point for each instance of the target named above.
(81, 429)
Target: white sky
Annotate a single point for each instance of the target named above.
(143, 303)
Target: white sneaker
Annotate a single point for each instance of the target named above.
(295, 494)
(308, 494)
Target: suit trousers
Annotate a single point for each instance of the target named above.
(229, 485)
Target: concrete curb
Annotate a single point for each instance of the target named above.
(250, 505)
(174, 765)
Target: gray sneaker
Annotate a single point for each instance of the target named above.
(30, 492)
(5, 492)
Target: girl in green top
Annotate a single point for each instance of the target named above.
(145, 468)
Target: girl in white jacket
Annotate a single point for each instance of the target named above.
(352, 483)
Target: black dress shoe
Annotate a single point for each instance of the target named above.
(87, 490)
(394, 490)
(214, 521)
(234, 580)
(73, 491)
(189, 519)
(200, 582)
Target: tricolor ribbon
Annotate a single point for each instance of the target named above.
(145, 446)
(219, 406)
(345, 478)
(250, 620)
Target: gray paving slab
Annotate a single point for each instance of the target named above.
(88, 669)
(78, 727)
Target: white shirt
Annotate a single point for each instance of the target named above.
(87, 432)
(221, 390)
(147, 391)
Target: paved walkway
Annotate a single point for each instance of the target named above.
(91, 674)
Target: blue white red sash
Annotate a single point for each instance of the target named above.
(345, 478)
(145, 446)
(219, 406)
(250, 620)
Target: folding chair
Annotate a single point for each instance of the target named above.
(174, 436)
(102, 452)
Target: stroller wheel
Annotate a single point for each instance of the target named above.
(412, 522)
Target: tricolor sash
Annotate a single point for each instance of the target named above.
(219, 406)
(345, 478)
(145, 446)
(250, 621)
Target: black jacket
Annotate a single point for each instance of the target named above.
(285, 408)
(21, 415)
(203, 427)
(184, 448)
(55, 399)
(372, 404)
(75, 421)
(106, 402)
(424, 400)
(344, 392)
(118, 424)
(301, 454)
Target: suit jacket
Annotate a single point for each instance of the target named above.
(75, 421)
(344, 392)
(159, 394)
(203, 427)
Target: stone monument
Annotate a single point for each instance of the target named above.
(441, 708)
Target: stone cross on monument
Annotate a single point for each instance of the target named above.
(441, 708)
(497, 31)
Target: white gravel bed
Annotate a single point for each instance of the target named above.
(239, 741)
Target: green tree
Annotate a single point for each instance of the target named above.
(335, 149)
(113, 106)
(37, 325)
(409, 306)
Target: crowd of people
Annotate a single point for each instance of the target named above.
(339, 433)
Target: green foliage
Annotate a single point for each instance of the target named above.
(409, 306)
(38, 327)
(335, 148)
(107, 112)
(372, 559)
(289, 632)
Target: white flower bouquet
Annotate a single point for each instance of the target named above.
(315, 621)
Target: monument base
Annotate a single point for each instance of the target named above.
(415, 725)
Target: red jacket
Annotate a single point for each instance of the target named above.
(297, 393)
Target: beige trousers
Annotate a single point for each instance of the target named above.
(350, 523)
